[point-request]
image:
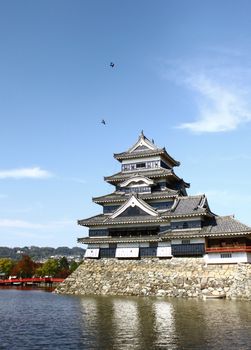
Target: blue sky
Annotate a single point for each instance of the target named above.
(182, 74)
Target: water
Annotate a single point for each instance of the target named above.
(34, 319)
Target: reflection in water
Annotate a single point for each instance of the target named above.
(126, 324)
(90, 317)
(173, 324)
(37, 320)
(164, 324)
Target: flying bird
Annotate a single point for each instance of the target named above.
(112, 64)
(103, 122)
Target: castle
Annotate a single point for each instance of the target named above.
(150, 215)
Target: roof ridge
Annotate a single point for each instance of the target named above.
(189, 197)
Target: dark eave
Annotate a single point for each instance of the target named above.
(106, 220)
(152, 174)
(119, 197)
(100, 240)
(183, 207)
(183, 234)
(216, 226)
(147, 153)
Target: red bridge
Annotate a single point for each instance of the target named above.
(30, 281)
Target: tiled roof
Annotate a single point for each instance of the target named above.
(188, 205)
(183, 207)
(106, 220)
(226, 224)
(148, 173)
(156, 173)
(100, 240)
(217, 226)
(121, 196)
(146, 153)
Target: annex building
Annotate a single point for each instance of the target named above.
(150, 214)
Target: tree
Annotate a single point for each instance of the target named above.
(25, 267)
(49, 268)
(63, 263)
(73, 266)
(6, 265)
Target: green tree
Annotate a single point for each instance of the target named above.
(63, 263)
(73, 266)
(49, 268)
(6, 265)
(64, 270)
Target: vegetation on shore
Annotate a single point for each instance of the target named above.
(26, 267)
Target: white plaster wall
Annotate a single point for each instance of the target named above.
(140, 160)
(215, 258)
(164, 252)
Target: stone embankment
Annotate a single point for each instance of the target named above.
(178, 277)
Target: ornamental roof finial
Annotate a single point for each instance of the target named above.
(142, 133)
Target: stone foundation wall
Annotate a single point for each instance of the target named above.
(178, 277)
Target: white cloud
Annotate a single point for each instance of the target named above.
(220, 86)
(22, 173)
(220, 108)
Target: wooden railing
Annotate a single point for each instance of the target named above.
(236, 248)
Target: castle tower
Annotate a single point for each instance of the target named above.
(149, 214)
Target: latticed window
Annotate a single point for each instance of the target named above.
(226, 255)
(107, 252)
(148, 252)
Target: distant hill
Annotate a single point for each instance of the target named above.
(40, 253)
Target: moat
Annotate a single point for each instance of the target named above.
(40, 320)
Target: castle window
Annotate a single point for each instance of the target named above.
(226, 255)
(185, 225)
(185, 241)
(140, 165)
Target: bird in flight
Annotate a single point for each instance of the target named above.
(112, 64)
(103, 122)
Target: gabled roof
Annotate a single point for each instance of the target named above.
(188, 205)
(134, 201)
(106, 220)
(136, 179)
(145, 148)
(191, 206)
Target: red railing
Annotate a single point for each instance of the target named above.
(239, 248)
(31, 280)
